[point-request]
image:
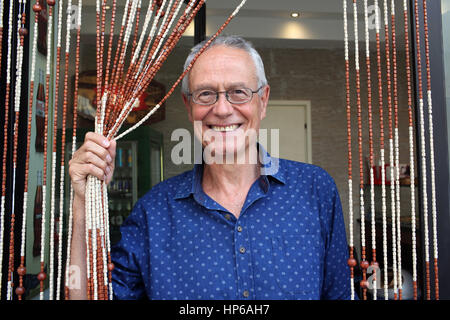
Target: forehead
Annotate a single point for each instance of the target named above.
(222, 66)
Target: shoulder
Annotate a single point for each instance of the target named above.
(305, 173)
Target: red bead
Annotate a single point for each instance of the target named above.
(51, 2)
(110, 266)
(23, 31)
(21, 271)
(37, 8)
(20, 291)
(364, 264)
(41, 276)
(364, 284)
(351, 262)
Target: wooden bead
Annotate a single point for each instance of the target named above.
(23, 31)
(110, 266)
(364, 264)
(351, 262)
(21, 271)
(51, 2)
(20, 291)
(42, 276)
(37, 8)
(364, 284)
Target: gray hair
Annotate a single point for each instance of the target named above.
(231, 41)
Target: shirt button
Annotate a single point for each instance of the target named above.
(242, 250)
(239, 228)
(246, 294)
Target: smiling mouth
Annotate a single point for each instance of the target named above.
(228, 128)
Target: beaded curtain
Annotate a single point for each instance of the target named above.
(372, 277)
(141, 48)
(125, 68)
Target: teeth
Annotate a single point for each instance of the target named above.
(225, 129)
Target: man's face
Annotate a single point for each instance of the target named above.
(219, 69)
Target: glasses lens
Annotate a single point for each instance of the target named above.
(240, 95)
(204, 96)
(236, 96)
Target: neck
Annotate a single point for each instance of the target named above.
(230, 179)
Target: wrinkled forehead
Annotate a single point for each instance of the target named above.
(221, 65)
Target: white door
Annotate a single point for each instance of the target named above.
(292, 120)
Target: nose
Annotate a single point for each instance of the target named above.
(222, 107)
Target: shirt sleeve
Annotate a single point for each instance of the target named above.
(129, 255)
(336, 280)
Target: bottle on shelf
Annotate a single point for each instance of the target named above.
(40, 114)
(128, 171)
(37, 216)
(119, 171)
(118, 215)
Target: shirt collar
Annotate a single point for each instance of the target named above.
(270, 168)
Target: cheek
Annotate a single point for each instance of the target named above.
(252, 115)
(198, 114)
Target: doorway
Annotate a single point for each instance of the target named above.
(291, 121)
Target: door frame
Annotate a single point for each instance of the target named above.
(307, 105)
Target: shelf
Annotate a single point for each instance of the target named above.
(405, 221)
(388, 185)
(119, 194)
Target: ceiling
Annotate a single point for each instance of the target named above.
(320, 23)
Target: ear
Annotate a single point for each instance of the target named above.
(264, 100)
(188, 106)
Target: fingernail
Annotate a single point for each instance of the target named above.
(106, 143)
(108, 158)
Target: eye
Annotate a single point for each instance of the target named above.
(239, 94)
(204, 96)
(205, 93)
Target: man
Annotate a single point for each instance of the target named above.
(226, 229)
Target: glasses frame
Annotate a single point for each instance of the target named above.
(190, 95)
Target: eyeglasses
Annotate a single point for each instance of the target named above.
(208, 97)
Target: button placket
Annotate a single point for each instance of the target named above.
(243, 260)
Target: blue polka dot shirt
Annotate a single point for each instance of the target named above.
(289, 241)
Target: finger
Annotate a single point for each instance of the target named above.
(79, 172)
(96, 171)
(112, 148)
(92, 158)
(97, 138)
(109, 175)
(99, 151)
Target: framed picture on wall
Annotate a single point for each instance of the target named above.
(154, 94)
(87, 100)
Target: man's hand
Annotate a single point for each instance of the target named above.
(95, 157)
